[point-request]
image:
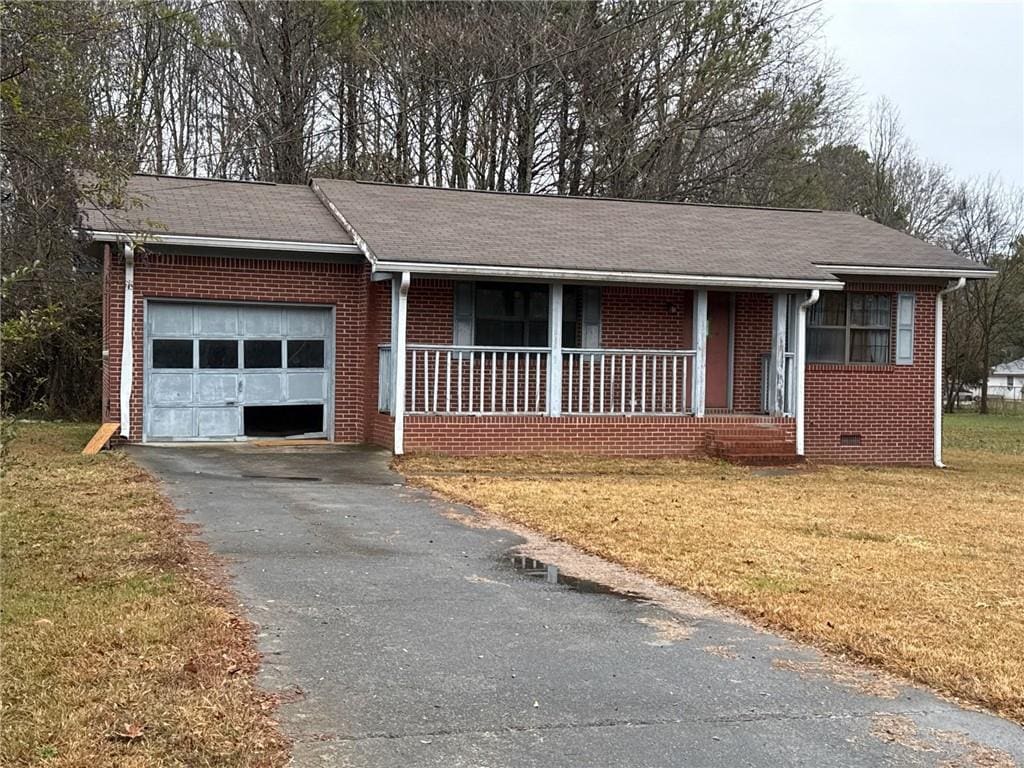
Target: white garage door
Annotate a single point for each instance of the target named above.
(224, 372)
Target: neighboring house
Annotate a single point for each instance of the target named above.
(1007, 381)
(469, 322)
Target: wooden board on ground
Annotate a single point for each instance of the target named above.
(101, 438)
(278, 443)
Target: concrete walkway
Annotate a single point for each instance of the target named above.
(402, 635)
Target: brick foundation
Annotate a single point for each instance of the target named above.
(638, 436)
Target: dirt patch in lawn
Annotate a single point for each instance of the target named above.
(915, 570)
(121, 646)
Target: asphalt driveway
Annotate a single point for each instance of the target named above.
(400, 634)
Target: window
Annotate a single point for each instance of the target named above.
(516, 315)
(305, 353)
(1009, 381)
(850, 327)
(510, 315)
(172, 353)
(260, 353)
(218, 353)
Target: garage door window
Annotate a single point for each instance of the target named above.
(305, 353)
(260, 353)
(172, 353)
(218, 353)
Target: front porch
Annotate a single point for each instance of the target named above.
(732, 391)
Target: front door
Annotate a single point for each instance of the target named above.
(717, 378)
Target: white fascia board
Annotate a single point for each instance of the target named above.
(853, 269)
(226, 242)
(586, 275)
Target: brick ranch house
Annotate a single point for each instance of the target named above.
(467, 322)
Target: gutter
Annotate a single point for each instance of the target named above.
(854, 269)
(240, 243)
(584, 275)
(127, 346)
(801, 364)
(937, 417)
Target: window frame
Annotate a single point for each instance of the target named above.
(572, 319)
(849, 327)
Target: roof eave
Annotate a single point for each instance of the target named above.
(891, 271)
(202, 241)
(604, 276)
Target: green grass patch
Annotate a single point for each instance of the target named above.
(996, 432)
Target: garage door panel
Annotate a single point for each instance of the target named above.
(263, 388)
(216, 387)
(170, 388)
(218, 422)
(207, 397)
(306, 386)
(171, 422)
(216, 321)
(261, 321)
(309, 323)
(170, 320)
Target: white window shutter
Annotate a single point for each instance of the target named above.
(591, 318)
(464, 314)
(905, 329)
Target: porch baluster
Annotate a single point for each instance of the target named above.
(412, 397)
(568, 402)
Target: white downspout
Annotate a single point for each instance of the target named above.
(801, 363)
(937, 418)
(127, 348)
(399, 308)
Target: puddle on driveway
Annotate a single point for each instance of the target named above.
(551, 574)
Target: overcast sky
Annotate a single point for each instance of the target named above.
(955, 70)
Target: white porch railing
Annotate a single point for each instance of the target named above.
(627, 381)
(476, 380)
(451, 380)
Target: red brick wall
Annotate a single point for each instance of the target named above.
(646, 317)
(752, 338)
(638, 436)
(888, 406)
(245, 279)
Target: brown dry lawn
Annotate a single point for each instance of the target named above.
(119, 647)
(916, 570)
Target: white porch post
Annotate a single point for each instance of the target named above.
(801, 365)
(700, 347)
(399, 311)
(777, 369)
(555, 357)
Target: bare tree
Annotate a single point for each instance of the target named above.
(986, 227)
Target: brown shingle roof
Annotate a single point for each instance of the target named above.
(216, 208)
(430, 225)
